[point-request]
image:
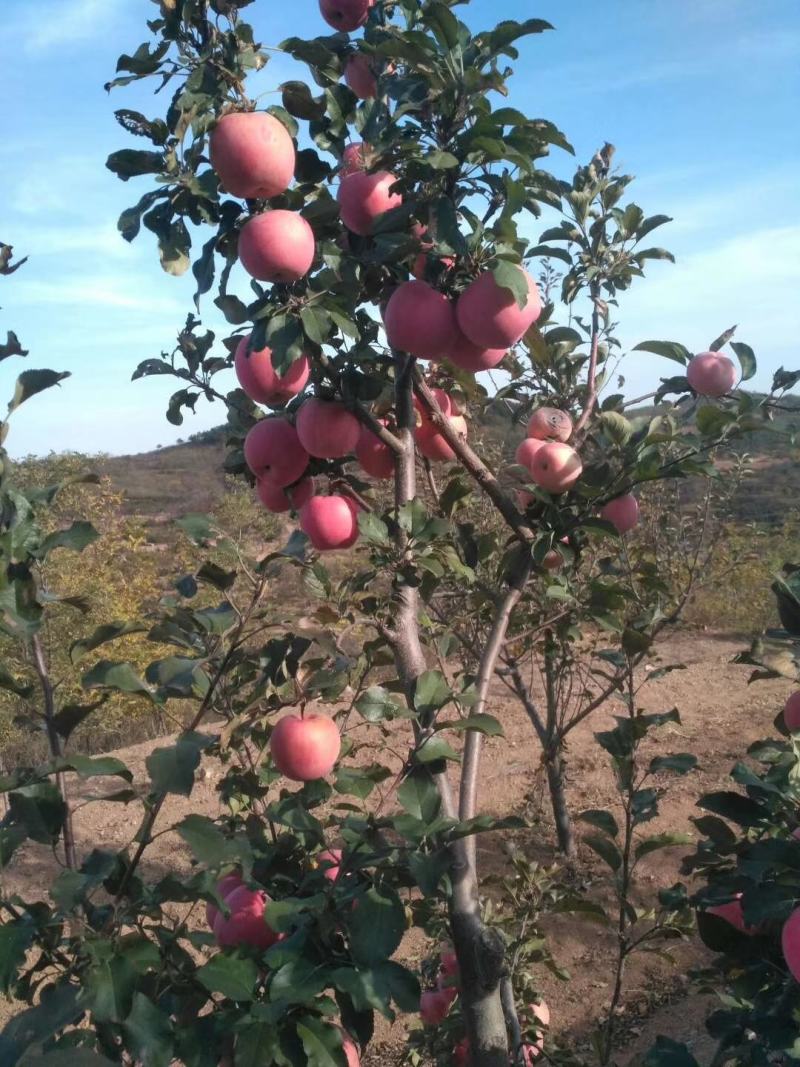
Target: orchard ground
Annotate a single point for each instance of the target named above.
(720, 717)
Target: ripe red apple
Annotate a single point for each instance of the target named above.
(277, 246)
(790, 942)
(490, 316)
(277, 499)
(363, 198)
(327, 429)
(348, 1045)
(245, 925)
(441, 398)
(419, 320)
(622, 512)
(345, 15)
(527, 450)
(305, 748)
(375, 457)
(550, 424)
(556, 467)
(461, 1053)
(711, 374)
(330, 860)
(791, 712)
(354, 158)
(360, 77)
(225, 886)
(434, 1005)
(733, 913)
(553, 561)
(259, 380)
(432, 444)
(272, 451)
(330, 522)
(531, 1052)
(253, 154)
(473, 357)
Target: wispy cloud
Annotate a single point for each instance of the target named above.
(62, 22)
(96, 291)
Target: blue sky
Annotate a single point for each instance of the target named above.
(701, 98)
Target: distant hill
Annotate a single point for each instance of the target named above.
(169, 482)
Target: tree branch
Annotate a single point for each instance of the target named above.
(364, 415)
(591, 375)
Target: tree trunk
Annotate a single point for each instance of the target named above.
(480, 950)
(565, 833)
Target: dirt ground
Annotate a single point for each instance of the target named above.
(720, 715)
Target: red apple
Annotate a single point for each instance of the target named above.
(305, 748)
(292, 498)
(375, 457)
(225, 886)
(330, 861)
(472, 357)
(556, 467)
(622, 512)
(419, 320)
(732, 913)
(490, 316)
(441, 398)
(550, 424)
(527, 450)
(259, 379)
(363, 198)
(345, 15)
(253, 154)
(327, 429)
(277, 246)
(245, 925)
(791, 712)
(461, 1053)
(349, 1047)
(432, 444)
(433, 1007)
(354, 158)
(711, 374)
(790, 942)
(330, 522)
(360, 77)
(272, 451)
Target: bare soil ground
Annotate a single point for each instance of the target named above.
(721, 716)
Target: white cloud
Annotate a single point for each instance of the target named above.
(63, 22)
(95, 291)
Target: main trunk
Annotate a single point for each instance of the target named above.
(554, 764)
(480, 950)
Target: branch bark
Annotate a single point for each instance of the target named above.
(56, 746)
(591, 374)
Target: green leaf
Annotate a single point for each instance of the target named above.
(377, 704)
(373, 528)
(71, 716)
(747, 359)
(150, 1034)
(298, 980)
(95, 767)
(669, 1053)
(208, 844)
(11, 685)
(433, 749)
(606, 849)
(733, 806)
(431, 692)
(198, 528)
(378, 986)
(131, 162)
(419, 796)
(39, 809)
(659, 841)
(15, 939)
(322, 1044)
(668, 349)
(509, 276)
(484, 724)
(31, 382)
(103, 634)
(441, 160)
(110, 674)
(108, 989)
(678, 762)
(67, 1057)
(602, 820)
(231, 976)
(712, 420)
(376, 926)
(76, 537)
(179, 676)
(172, 768)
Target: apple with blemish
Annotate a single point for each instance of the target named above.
(556, 467)
(711, 374)
(363, 198)
(489, 314)
(330, 522)
(253, 154)
(259, 379)
(277, 246)
(326, 428)
(305, 748)
(278, 499)
(272, 451)
(420, 320)
(550, 424)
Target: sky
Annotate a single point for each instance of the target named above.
(701, 98)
